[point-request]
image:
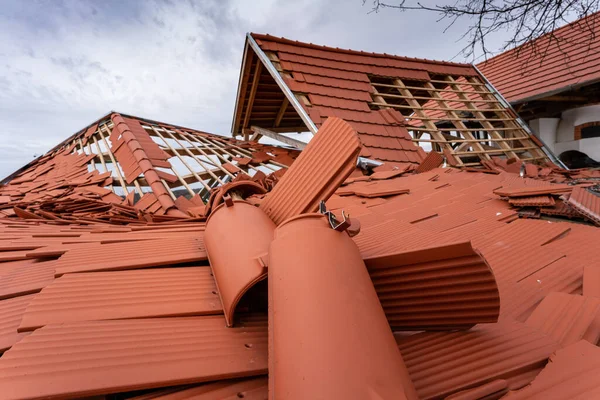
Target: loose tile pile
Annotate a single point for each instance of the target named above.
(411, 281)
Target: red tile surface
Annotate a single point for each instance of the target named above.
(316, 174)
(94, 358)
(252, 389)
(310, 340)
(568, 318)
(337, 84)
(572, 373)
(24, 277)
(533, 191)
(591, 281)
(131, 255)
(161, 292)
(11, 312)
(570, 58)
(250, 232)
(442, 287)
(532, 201)
(587, 203)
(444, 363)
(433, 160)
(68, 221)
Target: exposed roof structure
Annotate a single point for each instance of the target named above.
(556, 62)
(394, 103)
(266, 272)
(165, 172)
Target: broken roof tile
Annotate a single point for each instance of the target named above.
(442, 287)
(586, 202)
(316, 174)
(572, 372)
(568, 318)
(444, 363)
(131, 255)
(93, 296)
(102, 357)
(11, 311)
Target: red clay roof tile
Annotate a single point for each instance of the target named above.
(104, 357)
(568, 318)
(444, 363)
(163, 292)
(586, 203)
(571, 373)
(316, 174)
(11, 312)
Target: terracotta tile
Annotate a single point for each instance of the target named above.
(571, 373)
(11, 311)
(124, 295)
(554, 72)
(443, 363)
(442, 287)
(131, 255)
(568, 318)
(250, 231)
(433, 160)
(587, 203)
(315, 175)
(306, 247)
(148, 353)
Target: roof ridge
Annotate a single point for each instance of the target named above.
(266, 36)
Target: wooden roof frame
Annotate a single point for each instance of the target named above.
(255, 59)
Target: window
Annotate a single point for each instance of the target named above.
(587, 130)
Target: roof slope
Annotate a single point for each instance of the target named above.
(396, 104)
(336, 82)
(122, 169)
(568, 56)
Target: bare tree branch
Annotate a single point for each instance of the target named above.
(526, 20)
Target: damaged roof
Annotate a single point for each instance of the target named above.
(269, 272)
(399, 106)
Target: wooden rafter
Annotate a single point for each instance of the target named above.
(283, 139)
(281, 112)
(468, 105)
(253, 89)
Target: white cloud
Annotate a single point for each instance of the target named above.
(65, 64)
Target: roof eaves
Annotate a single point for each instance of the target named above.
(281, 83)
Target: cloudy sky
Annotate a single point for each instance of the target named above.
(63, 64)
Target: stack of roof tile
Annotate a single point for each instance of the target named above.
(482, 303)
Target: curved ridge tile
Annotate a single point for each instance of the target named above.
(328, 336)
(236, 238)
